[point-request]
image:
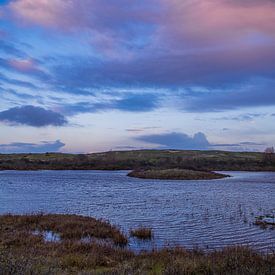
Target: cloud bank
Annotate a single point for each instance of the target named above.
(32, 116)
(224, 47)
(183, 57)
(199, 141)
(177, 141)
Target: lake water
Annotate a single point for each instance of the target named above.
(205, 214)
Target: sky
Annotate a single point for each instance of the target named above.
(98, 75)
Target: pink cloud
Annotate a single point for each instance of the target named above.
(202, 23)
(23, 65)
(178, 25)
(108, 23)
(42, 12)
(72, 14)
(230, 34)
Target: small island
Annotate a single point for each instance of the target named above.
(175, 174)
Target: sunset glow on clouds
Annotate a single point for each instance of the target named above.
(170, 68)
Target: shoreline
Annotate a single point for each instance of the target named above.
(129, 170)
(85, 244)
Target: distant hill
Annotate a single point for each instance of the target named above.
(142, 159)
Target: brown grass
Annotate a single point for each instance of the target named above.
(142, 233)
(69, 227)
(21, 249)
(22, 252)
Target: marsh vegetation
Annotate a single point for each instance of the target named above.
(22, 252)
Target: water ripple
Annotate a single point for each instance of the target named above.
(206, 214)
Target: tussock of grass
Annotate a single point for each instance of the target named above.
(21, 252)
(142, 233)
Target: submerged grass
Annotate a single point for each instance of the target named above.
(265, 222)
(22, 252)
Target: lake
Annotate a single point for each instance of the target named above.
(205, 214)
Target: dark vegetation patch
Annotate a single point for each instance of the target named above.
(175, 174)
(265, 222)
(142, 159)
(22, 252)
(142, 233)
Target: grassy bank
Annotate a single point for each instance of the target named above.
(175, 174)
(90, 246)
(142, 159)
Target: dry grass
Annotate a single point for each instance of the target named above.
(21, 248)
(232, 260)
(142, 233)
(69, 227)
(22, 252)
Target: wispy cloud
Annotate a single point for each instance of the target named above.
(21, 147)
(141, 129)
(9, 48)
(25, 67)
(259, 94)
(244, 117)
(128, 102)
(16, 82)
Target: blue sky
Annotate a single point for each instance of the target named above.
(97, 75)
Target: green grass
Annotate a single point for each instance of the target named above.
(142, 159)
